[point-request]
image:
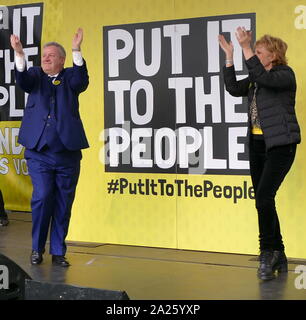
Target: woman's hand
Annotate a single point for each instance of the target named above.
(227, 47)
(244, 37)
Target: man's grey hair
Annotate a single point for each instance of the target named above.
(59, 46)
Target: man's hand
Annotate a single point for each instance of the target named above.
(17, 45)
(77, 39)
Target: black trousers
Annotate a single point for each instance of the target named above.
(2, 212)
(268, 170)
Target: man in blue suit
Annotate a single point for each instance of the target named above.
(53, 136)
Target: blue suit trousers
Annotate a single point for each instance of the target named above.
(54, 177)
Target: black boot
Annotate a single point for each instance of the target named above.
(279, 262)
(265, 270)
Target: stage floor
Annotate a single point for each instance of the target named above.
(151, 273)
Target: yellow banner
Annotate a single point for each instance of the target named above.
(15, 182)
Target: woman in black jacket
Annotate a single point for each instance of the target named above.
(273, 133)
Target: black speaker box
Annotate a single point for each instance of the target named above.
(16, 280)
(36, 290)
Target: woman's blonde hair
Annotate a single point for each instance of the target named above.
(276, 46)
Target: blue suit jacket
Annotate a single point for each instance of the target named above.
(69, 126)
